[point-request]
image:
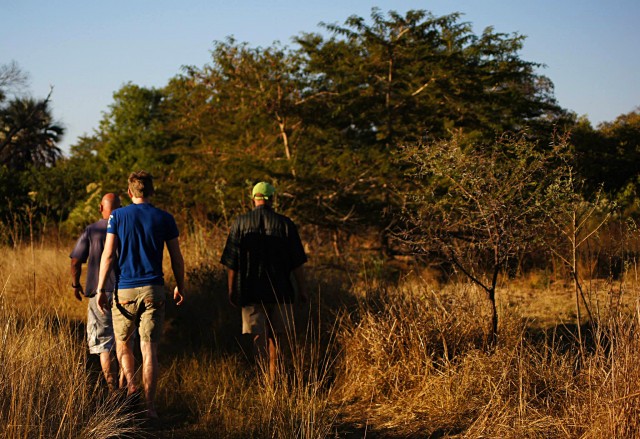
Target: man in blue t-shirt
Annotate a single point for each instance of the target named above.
(88, 250)
(139, 233)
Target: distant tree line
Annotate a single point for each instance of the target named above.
(328, 120)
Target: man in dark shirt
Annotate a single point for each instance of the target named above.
(262, 250)
(88, 250)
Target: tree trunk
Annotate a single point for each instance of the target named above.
(492, 336)
(576, 286)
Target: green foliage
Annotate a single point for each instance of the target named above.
(232, 121)
(130, 135)
(85, 211)
(322, 121)
(28, 134)
(400, 78)
(608, 157)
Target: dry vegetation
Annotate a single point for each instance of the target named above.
(377, 355)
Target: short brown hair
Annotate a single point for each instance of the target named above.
(141, 184)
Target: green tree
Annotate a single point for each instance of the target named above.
(130, 137)
(406, 78)
(236, 120)
(401, 77)
(28, 134)
(608, 157)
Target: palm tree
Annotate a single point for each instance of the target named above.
(28, 134)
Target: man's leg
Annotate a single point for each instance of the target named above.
(122, 380)
(272, 347)
(123, 313)
(151, 321)
(109, 369)
(150, 375)
(101, 341)
(124, 350)
(265, 349)
(264, 321)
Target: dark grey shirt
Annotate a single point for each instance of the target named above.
(263, 247)
(88, 250)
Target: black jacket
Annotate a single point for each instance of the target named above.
(263, 247)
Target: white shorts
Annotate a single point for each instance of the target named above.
(267, 318)
(99, 327)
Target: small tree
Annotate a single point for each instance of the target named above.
(574, 220)
(479, 208)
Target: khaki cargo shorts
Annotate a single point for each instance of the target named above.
(141, 307)
(267, 318)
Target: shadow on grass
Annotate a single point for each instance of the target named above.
(565, 338)
(207, 322)
(352, 431)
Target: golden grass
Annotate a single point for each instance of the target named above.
(45, 391)
(375, 359)
(414, 365)
(39, 279)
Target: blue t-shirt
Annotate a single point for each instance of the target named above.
(142, 231)
(88, 250)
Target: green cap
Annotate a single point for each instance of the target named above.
(264, 189)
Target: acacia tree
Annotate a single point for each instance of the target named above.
(399, 76)
(480, 209)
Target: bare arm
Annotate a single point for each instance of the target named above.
(298, 273)
(177, 265)
(106, 263)
(231, 282)
(76, 271)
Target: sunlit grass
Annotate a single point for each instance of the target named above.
(372, 357)
(45, 390)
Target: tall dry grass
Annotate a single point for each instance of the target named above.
(45, 390)
(375, 358)
(214, 379)
(225, 396)
(413, 365)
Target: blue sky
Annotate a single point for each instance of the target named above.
(87, 50)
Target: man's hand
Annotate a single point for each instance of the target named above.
(232, 275)
(103, 303)
(232, 300)
(78, 291)
(177, 296)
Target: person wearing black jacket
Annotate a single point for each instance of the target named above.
(262, 250)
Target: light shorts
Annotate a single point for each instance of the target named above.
(267, 318)
(99, 327)
(141, 307)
